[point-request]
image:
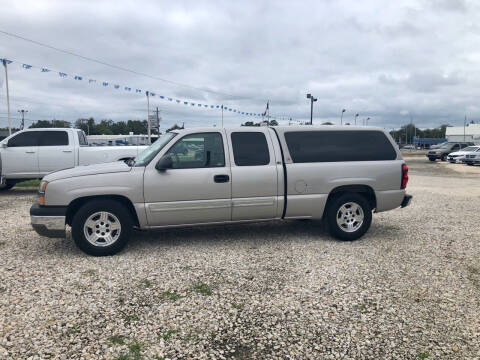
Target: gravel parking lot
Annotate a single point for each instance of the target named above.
(410, 289)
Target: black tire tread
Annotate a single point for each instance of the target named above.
(332, 208)
(116, 208)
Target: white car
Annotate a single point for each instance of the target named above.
(459, 156)
(34, 153)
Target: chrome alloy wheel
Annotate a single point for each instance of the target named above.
(350, 217)
(102, 229)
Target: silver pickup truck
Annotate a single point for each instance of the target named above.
(218, 176)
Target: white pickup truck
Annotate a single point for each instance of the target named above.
(33, 153)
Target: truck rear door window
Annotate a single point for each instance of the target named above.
(53, 138)
(250, 149)
(336, 146)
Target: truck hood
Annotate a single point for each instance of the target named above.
(105, 168)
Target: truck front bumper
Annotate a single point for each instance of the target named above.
(407, 199)
(48, 221)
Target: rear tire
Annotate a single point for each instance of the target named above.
(444, 157)
(102, 228)
(7, 186)
(348, 216)
(431, 159)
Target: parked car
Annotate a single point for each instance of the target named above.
(472, 158)
(446, 148)
(459, 156)
(409, 147)
(33, 153)
(436, 146)
(340, 174)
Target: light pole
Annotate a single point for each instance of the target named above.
(366, 121)
(149, 131)
(23, 118)
(356, 115)
(312, 99)
(341, 117)
(5, 63)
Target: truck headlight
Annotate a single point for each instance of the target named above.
(41, 191)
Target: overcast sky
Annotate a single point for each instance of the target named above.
(387, 60)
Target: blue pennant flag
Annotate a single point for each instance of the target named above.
(6, 61)
(127, 88)
(205, 105)
(229, 109)
(78, 77)
(116, 86)
(92, 81)
(193, 104)
(211, 106)
(185, 102)
(243, 112)
(105, 83)
(152, 94)
(63, 75)
(162, 97)
(199, 104)
(178, 101)
(25, 66)
(170, 99)
(234, 110)
(138, 91)
(219, 106)
(45, 70)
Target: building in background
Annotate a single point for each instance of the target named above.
(469, 133)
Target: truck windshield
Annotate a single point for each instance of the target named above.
(149, 153)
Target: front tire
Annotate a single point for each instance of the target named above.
(349, 216)
(444, 157)
(102, 228)
(431, 159)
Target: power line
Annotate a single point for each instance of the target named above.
(115, 66)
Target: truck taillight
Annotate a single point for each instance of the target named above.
(404, 176)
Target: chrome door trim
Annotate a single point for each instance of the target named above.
(188, 205)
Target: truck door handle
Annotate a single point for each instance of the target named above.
(30, 152)
(68, 151)
(221, 178)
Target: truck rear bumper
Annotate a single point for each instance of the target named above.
(407, 199)
(48, 221)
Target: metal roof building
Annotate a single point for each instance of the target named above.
(471, 132)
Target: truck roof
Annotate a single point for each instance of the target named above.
(288, 128)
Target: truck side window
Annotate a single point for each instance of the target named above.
(82, 139)
(336, 146)
(202, 150)
(29, 138)
(250, 149)
(53, 138)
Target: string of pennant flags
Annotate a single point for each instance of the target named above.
(146, 92)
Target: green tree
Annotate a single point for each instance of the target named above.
(50, 124)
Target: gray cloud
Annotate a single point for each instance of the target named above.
(384, 60)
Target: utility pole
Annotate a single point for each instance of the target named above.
(356, 115)
(149, 131)
(341, 117)
(8, 98)
(312, 100)
(222, 116)
(464, 123)
(158, 120)
(23, 118)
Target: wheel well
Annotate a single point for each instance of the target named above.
(77, 203)
(363, 190)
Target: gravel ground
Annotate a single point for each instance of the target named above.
(410, 289)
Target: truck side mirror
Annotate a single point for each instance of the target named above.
(164, 163)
